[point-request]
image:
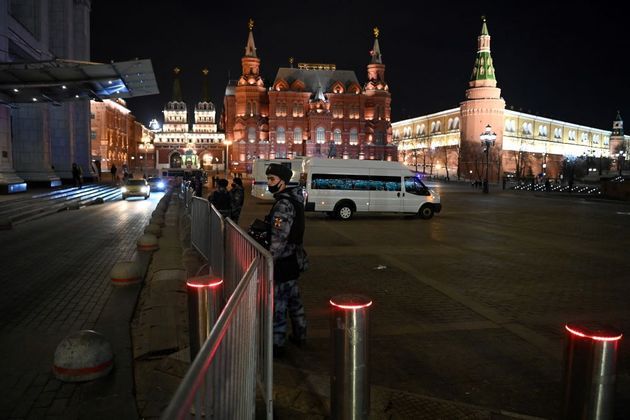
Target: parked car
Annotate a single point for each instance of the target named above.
(156, 183)
(135, 188)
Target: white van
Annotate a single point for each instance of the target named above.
(342, 187)
(259, 166)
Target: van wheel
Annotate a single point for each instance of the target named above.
(426, 211)
(343, 211)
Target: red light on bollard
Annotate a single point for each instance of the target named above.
(598, 334)
(352, 302)
(204, 281)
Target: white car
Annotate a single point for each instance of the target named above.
(136, 188)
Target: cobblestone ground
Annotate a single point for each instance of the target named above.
(470, 306)
(55, 280)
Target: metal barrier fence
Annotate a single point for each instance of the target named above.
(186, 193)
(241, 250)
(238, 353)
(221, 381)
(206, 234)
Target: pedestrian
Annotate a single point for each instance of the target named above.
(286, 225)
(237, 196)
(220, 198)
(76, 175)
(98, 169)
(547, 185)
(198, 186)
(113, 170)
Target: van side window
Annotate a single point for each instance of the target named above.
(355, 182)
(340, 182)
(414, 186)
(385, 183)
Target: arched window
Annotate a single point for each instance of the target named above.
(433, 127)
(542, 130)
(354, 137)
(379, 138)
(251, 134)
(297, 109)
(248, 108)
(456, 123)
(297, 135)
(337, 136)
(450, 124)
(280, 135)
(320, 135)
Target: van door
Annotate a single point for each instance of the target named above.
(415, 194)
(385, 192)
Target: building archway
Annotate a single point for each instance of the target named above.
(175, 160)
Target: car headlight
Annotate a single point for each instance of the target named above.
(160, 185)
(123, 189)
(144, 189)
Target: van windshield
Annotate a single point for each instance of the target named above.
(413, 185)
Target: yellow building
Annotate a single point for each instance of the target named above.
(448, 143)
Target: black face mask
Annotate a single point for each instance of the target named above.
(274, 188)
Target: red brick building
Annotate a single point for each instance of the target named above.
(309, 110)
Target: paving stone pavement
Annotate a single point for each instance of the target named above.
(476, 345)
(55, 281)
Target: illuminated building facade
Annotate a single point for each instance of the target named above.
(311, 110)
(447, 143)
(178, 146)
(117, 138)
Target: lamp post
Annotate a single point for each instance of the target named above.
(227, 156)
(415, 156)
(487, 140)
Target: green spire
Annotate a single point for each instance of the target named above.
(483, 68)
(484, 27)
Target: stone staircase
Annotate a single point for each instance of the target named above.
(26, 208)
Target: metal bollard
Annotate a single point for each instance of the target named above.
(589, 371)
(205, 299)
(349, 382)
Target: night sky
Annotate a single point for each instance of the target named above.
(570, 64)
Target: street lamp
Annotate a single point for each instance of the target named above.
(227, 156)
(487, 140)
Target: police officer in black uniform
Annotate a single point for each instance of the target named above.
(286, 224)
